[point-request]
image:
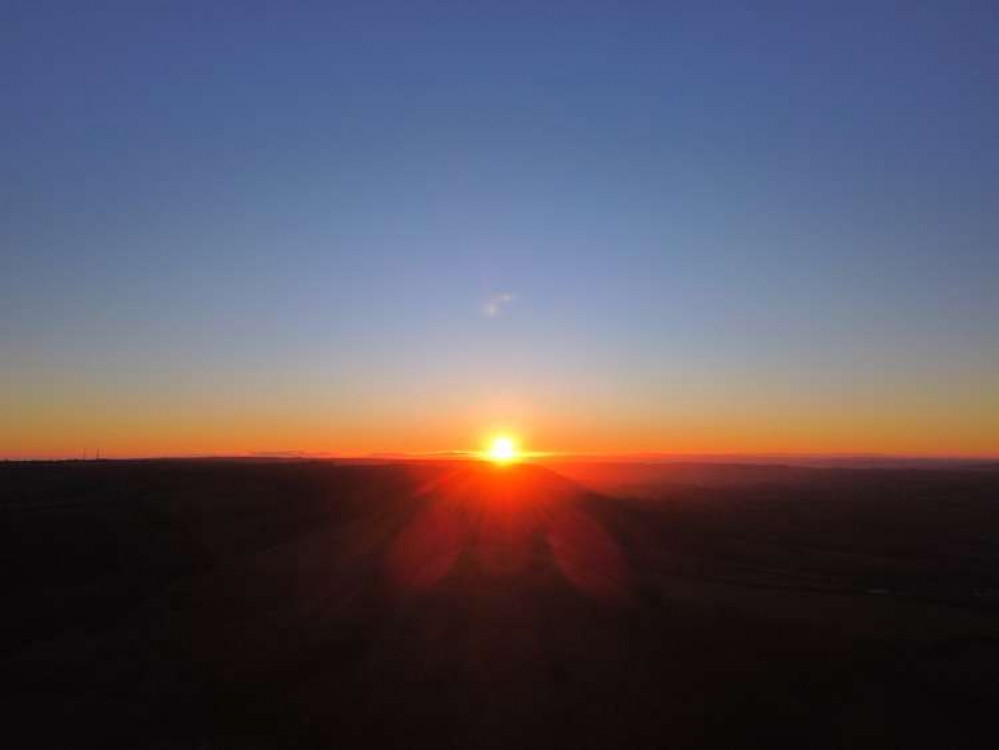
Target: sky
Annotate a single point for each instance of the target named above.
(605, 227)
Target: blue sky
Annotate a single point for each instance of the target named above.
(221, 224)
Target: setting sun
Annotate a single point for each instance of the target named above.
(503, 450)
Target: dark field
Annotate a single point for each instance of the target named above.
(230, 605)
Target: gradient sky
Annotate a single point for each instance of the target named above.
(607, 227)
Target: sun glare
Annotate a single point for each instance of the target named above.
(503, 450)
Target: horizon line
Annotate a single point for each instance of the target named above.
(633, 456)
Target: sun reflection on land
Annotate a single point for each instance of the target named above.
(512, 526)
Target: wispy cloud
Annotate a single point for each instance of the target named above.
(493, 306)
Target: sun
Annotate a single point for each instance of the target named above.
(503, 450)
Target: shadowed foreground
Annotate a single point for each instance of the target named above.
(210, 604)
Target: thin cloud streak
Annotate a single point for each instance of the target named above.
(497, 303)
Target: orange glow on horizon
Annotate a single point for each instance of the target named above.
(58, 429)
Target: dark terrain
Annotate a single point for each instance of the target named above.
(300, 604)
